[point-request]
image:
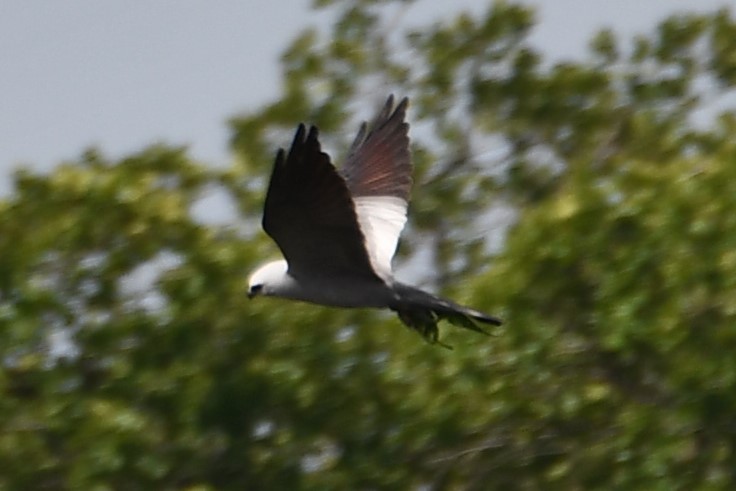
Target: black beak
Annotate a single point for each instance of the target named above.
(251, 295)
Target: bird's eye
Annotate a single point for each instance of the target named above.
(255, 289)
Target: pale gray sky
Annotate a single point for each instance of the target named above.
(122, 75)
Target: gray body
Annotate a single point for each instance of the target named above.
(338, 291)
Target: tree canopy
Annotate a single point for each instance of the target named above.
(588, 202)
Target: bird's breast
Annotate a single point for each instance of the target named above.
(341, 292)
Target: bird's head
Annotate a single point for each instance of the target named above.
(267, 279)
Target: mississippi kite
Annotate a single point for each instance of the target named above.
(338, 231)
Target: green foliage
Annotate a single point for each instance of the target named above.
(132, 360)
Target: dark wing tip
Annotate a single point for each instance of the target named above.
(313, 136)
(280, 159)
(387, 108)
(304, 146)
(390, 113)
(402, 105)
(299, 135)
(379, 160)
(390, 101)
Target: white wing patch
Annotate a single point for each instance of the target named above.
(381, 219)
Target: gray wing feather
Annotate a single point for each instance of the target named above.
(379, 161)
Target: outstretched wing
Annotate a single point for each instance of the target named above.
(310, 215)
(378, 173)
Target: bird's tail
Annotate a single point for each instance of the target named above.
(422, 311)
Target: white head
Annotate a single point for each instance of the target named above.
(269, 279)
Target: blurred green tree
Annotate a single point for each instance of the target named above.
(131, 360)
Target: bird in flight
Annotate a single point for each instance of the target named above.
(338, 230)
